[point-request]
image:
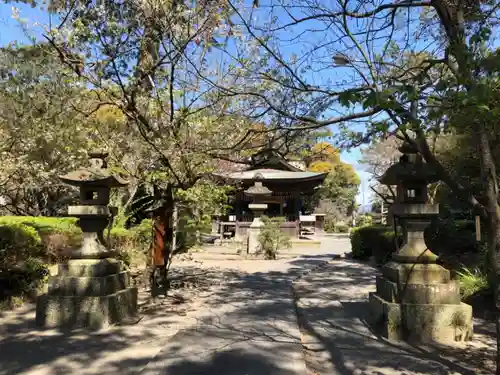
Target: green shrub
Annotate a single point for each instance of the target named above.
(132, 244)
(28, 245)
(341, 228)
(18, 242)
(43, 224)
(51, 236)
(23, 279)
(272, 238)
(472, 281)
(335, 227)
(448, 236)
(364, 220)
(373, 240)
(48, 239)
(329, 226)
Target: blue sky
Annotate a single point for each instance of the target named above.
(10, 31)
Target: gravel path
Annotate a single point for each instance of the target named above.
(239, 317)
(242, 318)
(333, 314)
(249, 325)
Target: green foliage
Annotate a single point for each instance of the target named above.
(472, 281)
(43, 224)
(17, 243)
(28, 245)
(341, 183)
(363, 220)
(373, 240)
(47, 238)
(341, 228)
(331, 226)
(451, 236)
(132, 245)
(198, 204)
(272, 238)
(44, 132)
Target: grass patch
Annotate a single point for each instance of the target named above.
(471, 281)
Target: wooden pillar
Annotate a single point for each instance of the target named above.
(163, 231)
(296, 205)
(237, 206)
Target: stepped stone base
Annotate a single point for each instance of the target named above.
(427, 323)
(87, 293)
(419, 302)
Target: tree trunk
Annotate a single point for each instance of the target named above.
(488, 174)
(163, 236)
(175, 221)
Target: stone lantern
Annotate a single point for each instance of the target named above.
(92, 288)
(416, 298)
(411, 176)
(257, 192)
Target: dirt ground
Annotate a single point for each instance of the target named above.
(330, 300)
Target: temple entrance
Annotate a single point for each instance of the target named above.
(288, 184)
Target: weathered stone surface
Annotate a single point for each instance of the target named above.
(86, 311)
(89, 286)
(442, 323)
(447, 293)
(386, 317)
(386, 289)
(415, 209)
(90, 267)
(253, 245)
(89, 210)
(407, 273)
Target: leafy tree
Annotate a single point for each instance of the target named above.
(148, 66)
(42, 135)
(404, 68)
(338, 192)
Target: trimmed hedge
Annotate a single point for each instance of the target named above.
(452, 237)
(29, 245)
(49, 238)
(373, 240)
(447, 236)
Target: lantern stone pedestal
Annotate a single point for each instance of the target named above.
(416, 299)
(257, 191)
(88, 293)
(253, 245)
(92, 289)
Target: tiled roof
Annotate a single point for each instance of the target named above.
(271, 174)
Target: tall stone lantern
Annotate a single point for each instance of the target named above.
(416, 298)
(257, 192)
(92, 288)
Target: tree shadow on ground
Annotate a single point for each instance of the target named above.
(231, 362)
(339, 339)
(248, 326)
(237, 300)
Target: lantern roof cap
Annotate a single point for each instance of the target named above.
(96, 175)
(258, 189)
(410, 169)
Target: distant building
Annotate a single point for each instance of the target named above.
(289, 185)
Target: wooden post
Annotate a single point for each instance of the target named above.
(478, 228)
